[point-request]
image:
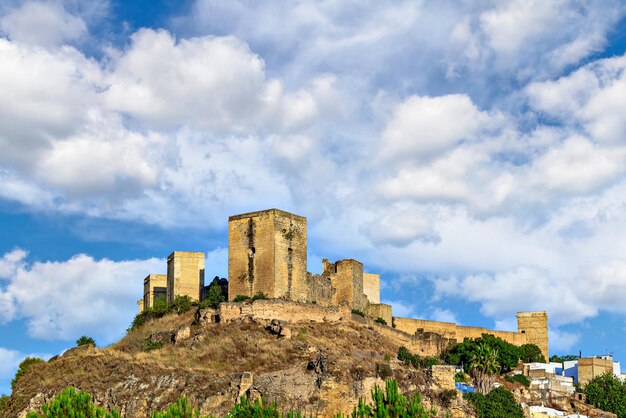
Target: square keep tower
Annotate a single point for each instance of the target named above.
(185, 275)
(535, 326)
(267, 254)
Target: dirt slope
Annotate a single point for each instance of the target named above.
(322, 368)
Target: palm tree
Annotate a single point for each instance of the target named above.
(483, 365)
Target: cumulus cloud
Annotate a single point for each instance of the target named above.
(66, 299)
(42, 23)
(563, 341)
(400, 228)
(422, 127)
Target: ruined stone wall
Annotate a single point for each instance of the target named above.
(453, 331)
(320, 290)
(185, 275)
(267, 254)
(590, 367)
(371, 287)
(379, 310)
(347, 280)
(149, 284)
(535, 326)
(443, 376)
(284, 310)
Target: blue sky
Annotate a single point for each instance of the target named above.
(473, 153)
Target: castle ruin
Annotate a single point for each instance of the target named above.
(267, 254)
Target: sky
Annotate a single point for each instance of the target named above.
(471, 152)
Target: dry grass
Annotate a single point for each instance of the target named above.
(209, 368)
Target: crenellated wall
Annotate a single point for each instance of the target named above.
(533, 328)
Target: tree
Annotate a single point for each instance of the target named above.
(530, 353)
(26, 364)
(84, 340)
(608, 393)
(562, 359)
(72, 403)
(497, 404)
(483, 365)
(391, 403)
(4, 401)
(214, 295)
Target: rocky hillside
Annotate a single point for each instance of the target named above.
(320, 368)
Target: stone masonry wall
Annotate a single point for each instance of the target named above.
(371, 287)
(283, 310)
(379, 310)
(149, 283)
(185, 275)
(453, 331)
(590, 367)
(320, 290)
(423, 344)
(267, 254)
(347, 279)
(535, 326)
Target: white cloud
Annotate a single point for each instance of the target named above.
(422, 127)
(220, 86)
(42, 23)
(590, 97)
(9, 360)
(577, 166)
(401, 309)
(443, 315)
(400, 228)
(11, 261)
(562, 341)
(80, 296)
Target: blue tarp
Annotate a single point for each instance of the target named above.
(464, 388)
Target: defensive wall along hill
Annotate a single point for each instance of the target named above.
(267, 253)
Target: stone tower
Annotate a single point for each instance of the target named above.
(346, 276)
(535, 326)
(267, 254)
(154, 286)
(185, 275)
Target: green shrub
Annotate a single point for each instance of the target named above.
(381, 321)
(391, 403)
(508, 355)
(160, 308)
(180, 409)
(497, 404)
(518, 378)
(241, 298)
(4, 401)
(72, 403)
(608, 393)
(461, 377)
(406, 357)
(149, 344)
(84, 340)
(26, 364)
(530, 353)
(358, 312)
(447, 396)
(260, 296)
(214, 295)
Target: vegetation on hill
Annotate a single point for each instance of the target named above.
(72, 403)
(608, 393)
(406, 357)
(26, 364)
(496, 404)
(562, 359)
(388, 403)
(507, 354)
(84, 340)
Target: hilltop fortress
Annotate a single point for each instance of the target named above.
(267, 253)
